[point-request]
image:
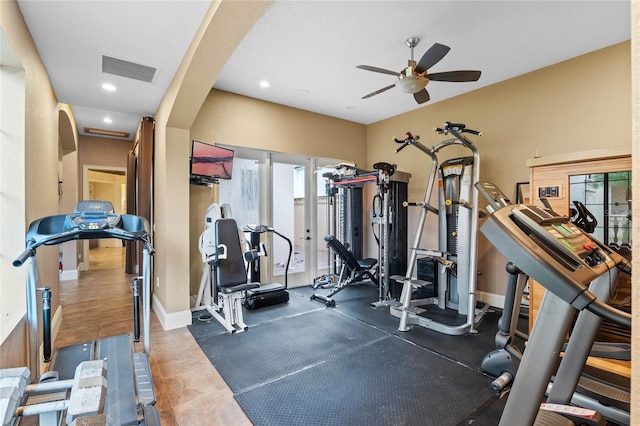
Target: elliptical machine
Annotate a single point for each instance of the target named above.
(266, 294)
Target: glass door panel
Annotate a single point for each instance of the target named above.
(288, 194)
(241, 192)
(290, 217)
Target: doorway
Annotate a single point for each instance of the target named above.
(284, 192)
(107, 184)
(290, 215)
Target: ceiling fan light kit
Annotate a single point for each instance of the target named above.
(414, 78)
(411, 84)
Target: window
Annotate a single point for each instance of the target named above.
(608, 197)
(242, 193)
(12, 192)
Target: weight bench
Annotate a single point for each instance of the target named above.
(352, 271)
(225, 274)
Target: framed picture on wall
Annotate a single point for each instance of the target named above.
(523, 193)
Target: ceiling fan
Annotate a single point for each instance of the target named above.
(414, 78)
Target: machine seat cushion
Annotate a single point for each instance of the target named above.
(241, 287)
(348, 257)
(267, 288)
(367, 263)
(230, 270)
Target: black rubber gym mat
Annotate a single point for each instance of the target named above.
(275, 349)
(387, 382)
(469, 349)
(297, 304)
(305, 364)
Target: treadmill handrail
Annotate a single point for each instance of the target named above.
(37, 237)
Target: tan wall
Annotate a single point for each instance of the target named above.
(241, 121)
(635, 103)
(98, 151)
(68, 200)
(222, 29)
(41, 165)
(68, 130)
(102, 152)
(578, 105)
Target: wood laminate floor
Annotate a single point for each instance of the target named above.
(188, 388)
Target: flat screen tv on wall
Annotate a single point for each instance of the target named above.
(209, 163)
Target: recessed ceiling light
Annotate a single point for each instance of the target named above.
(107, 120)
(264, 84)
(109, 87)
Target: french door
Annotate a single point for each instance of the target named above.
(285, 193)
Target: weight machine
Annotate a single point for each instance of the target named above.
(388, 216)
(225, 286)
(455, 260)
(224, 278)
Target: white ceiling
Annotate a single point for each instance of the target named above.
(308, 50)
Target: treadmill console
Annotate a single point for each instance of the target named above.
(92, 216)
(494, 196)
(557, 233)
(547, 247)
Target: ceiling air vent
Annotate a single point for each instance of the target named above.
(103, 132)
(127, 69)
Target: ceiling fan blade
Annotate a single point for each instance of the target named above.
(421, 96)
(459, 76)
(376, 69)
(432, 57)
(378, 91)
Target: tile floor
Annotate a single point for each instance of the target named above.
(189, 390)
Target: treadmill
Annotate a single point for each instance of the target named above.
(578, 273)
(130, 394)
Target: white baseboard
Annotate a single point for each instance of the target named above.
(170, 321)
(492, 299)
(69, 275)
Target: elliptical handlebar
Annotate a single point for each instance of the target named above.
(409, 139)
(450, 127)
(456, 129)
